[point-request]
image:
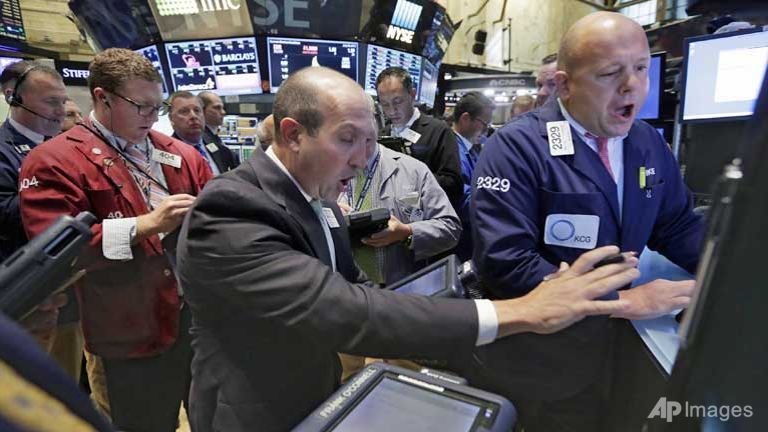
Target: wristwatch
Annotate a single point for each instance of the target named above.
(409, 241)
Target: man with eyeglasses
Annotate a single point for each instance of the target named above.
(431, 140)
(139, 184)
(471, 118)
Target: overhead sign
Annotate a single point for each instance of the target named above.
(492, 81)
(197, 19)
(185, 7)
(74, 73)
(404, 21)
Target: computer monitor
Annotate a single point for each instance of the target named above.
(722, 75)
(380, 58)
(226, 66)
(287, 55)
(651, 108)
(429, 76)
(152, 53)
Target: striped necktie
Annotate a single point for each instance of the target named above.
(154, 193)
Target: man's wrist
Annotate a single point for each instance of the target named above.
(513, 316)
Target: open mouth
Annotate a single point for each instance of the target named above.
(625, 111)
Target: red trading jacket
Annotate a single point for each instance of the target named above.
(128, 308)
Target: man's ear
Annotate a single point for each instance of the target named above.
(290, 133)
(562, 82)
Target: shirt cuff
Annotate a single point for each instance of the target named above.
(117, 236)
(487, 322)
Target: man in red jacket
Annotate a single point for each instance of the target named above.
(139, 184)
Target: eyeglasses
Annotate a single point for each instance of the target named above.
(145, 110)
(485, 124)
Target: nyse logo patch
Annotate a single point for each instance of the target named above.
(572, 230)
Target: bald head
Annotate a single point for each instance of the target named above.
(585, 39)
(309, 94)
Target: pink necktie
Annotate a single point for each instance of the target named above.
(602, 151)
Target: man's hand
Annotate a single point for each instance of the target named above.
(165, 218)
(43, 319)
(656, 298)
(345, 209)
(395, 232)
(561, 301)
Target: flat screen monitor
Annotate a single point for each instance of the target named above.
(226, 66)
(152, 53)
(440, 279)
(380, 58)
(722, 75)
(651, 107)
(11, 22)
(429, 75)
(287, 55)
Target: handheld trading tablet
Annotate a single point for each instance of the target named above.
(440, 279)
(385, 398)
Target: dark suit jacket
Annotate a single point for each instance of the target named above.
(224, 158)
(437, 148)
(12, 153)
(270, 314)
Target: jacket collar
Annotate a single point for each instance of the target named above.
(266, 174)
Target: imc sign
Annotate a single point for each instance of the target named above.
(404, 21)
(187, 7)
(74, 73)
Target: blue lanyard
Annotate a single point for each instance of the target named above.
(366, 185)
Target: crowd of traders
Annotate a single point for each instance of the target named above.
(243, 319)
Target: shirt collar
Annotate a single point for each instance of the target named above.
(111, 137)
(415, 116)
(271, 153)
(27, 132)
(581, 131)
(464, 142)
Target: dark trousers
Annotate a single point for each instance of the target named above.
(582, 412)
(145, 394)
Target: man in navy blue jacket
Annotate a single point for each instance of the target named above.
(37, 110)
(578, 173)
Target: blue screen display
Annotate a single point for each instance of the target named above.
(650, 110)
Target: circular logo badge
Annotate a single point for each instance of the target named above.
(217, 58)
(562, 230)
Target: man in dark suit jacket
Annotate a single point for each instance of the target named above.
(274, 292)
(432, 142)
(188, 121)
